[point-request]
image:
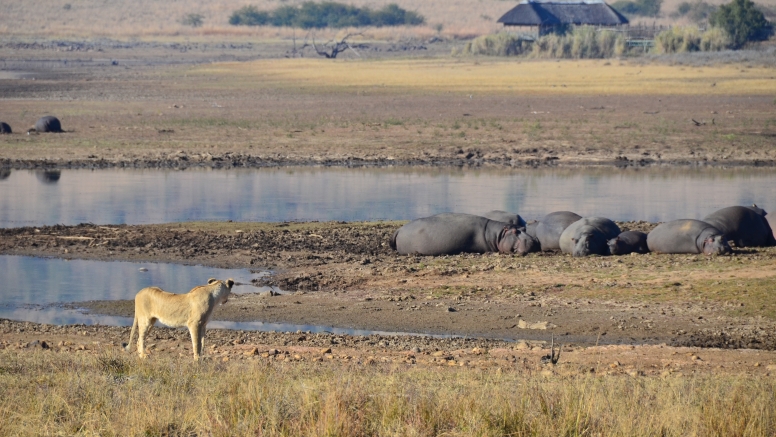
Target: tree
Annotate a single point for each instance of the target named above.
(743, 21)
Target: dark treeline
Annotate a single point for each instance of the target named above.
(312, 15)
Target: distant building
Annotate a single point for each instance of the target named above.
(555, 16)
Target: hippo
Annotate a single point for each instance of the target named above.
(5, 128)
(746, 226)
(588, 236)
(687, 236)
(549, 228)
(452, 233)
(628, 242)
(506, 217)
(48, 123)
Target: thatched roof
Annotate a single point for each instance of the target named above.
(548, 13)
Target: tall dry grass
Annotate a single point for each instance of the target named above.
(115, 394)
(580, 43)
(691, 39)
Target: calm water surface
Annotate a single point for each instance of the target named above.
(34, 286)
(34, 198)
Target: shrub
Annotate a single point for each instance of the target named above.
(500, 44)
(742, 21)
(193, 20)
(311, 15)
(690, 39)
(646, 8)
(698, 11)
(249, 16)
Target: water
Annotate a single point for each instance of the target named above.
(34, 287)
(35, 198)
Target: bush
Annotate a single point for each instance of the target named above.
(249, 16)
(193, 20)
(500, 44)
(698, 11)
(742, 21)
(690, 39)
(579, 43)
(646, 8)
(312, 15)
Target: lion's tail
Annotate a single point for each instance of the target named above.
(131, 334)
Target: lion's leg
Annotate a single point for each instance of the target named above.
(196, 339)
(143, 327)
(131, 334)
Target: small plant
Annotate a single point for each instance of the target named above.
(698, 11)
(193, 20)
(646, 8)
(742, 21)
(249, 16)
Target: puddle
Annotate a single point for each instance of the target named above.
(35, 289)
(115, 196)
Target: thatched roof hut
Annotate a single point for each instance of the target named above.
(547, 15)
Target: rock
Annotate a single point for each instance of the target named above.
(326, 350)
(522, 324)
(522, 345)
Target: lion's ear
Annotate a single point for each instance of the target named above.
(212, 281)
(229, 282)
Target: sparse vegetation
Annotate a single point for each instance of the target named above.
(742, 21)
(311, 15)
(645, 8)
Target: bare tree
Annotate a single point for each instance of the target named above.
(331, 48)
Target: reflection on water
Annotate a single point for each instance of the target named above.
(48, 176)
(31, 285)
(163, 196)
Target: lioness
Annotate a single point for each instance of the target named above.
(192, 310)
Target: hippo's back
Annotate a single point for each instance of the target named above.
(48, 123)
(441, 234)
(505, 217)
(678, 236)
(746, 226)
(549, 229)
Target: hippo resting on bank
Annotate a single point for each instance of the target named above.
(628, 242)
(48, 123)
(549, 229)
(745, 225)
(687, 236)
(450, 234)
(506, 217)
(5, 128)
(588, 236)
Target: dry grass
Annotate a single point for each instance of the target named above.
(583, 77)
(145, 18)
(113, 394)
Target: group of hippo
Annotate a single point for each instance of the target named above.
(48, 123)
(499, 231)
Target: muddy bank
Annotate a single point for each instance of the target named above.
(345, 275)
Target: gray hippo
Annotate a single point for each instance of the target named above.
(5, 128)
(506, 217)
(745, 225)
(628, 242)
(550, 227)
(48, 123)
(451, 233)
(687, 236)
(588, 236)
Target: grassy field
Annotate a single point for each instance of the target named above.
(114, 394)
(583, 77)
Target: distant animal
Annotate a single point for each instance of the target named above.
(687, 236)
(588, 236)
(454, 233)
(628, 242)
(48, 123)
(192, 310)
(506, 217)
(549, 228)
(746, 226)
(5, 128)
